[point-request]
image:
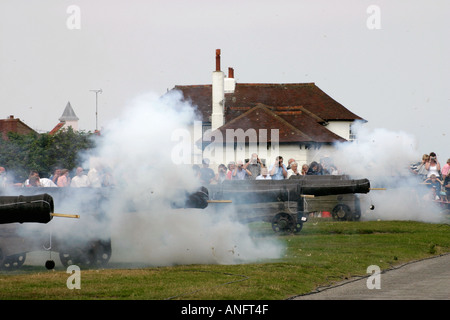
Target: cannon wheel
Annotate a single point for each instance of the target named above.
(298, 227)
(284, 222)
(95, 254)
(12, 262)
(342, 212)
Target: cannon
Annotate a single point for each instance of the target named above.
(282, 202)
(86, 242)
(23, 214)
(38, 209)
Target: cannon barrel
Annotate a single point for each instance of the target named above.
(36, 208)
(255, 191)
(198, 199)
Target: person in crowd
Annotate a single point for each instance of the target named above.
(431, 195)
(305, 168)
(56, 174)
(333, 170)
(434, 181)
(314, 169)
(231, 167)
(290, 161)
(240, 173)
(254, 165)
(445, 169)
(324, 165)
(293, 170)
(264, 175)
(108, 178)
(278, 170)
(419, 169)
(80, 180)
(433, 166)
(221, 174)
(64, 179)
(206, 173)
(95, 175)
(34, 180)
(445, 187)
(196, 171)
(33, 173)
(46, 182)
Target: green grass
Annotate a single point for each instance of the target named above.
(323, 253)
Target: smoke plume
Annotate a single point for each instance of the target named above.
(144, 228)
(384, 157)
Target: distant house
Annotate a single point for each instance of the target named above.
(12, 124)
(308, 121)
(68, 119)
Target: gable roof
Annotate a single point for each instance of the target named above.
(12, 124)
(305, 128)
(261, 117)
(56, 128)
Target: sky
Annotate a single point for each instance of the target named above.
(386, 61)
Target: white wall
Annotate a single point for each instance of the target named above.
(186, 152)
(341, 128)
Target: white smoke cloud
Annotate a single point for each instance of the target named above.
(384, 157)
(144, 228)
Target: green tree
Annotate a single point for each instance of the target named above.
(43, 152)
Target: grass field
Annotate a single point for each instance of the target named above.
(324, 252)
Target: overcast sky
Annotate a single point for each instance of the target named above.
(386, 61)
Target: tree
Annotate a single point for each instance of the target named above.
(43, 152)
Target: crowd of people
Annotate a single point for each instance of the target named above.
(429, 171)
(95, 177)
(434, 176)
(255, 169)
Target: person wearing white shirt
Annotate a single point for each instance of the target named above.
(264, 175)
(80, 180)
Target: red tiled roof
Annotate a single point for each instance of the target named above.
(261, 117)
(56, 128)
(298, 110)
(200, 96)
(293, 126)
(307, 95)
(248, 95)
(12, 124)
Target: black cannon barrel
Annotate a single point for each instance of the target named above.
(254, 191)
(332, 187)
(36, 208)
(198, 199)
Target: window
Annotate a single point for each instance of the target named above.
(351, 135)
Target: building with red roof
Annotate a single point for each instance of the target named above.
(309, 121)
(12, 124)
(67, 119)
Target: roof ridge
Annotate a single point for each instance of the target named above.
(311, 84)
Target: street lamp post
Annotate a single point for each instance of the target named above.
(96, 106)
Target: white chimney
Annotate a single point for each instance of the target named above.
(218, 95)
